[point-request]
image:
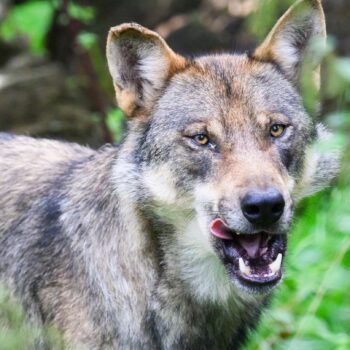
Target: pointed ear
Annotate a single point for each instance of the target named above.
(140, 63)
(290, 39)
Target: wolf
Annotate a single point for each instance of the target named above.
(176, 237)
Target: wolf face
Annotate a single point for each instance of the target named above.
(224, 152)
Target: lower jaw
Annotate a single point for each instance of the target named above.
(254, 275)
(261, 283)
(252, 286)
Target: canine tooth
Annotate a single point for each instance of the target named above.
(243, 267)
(276, 265)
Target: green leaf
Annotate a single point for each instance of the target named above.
(30, 20)
(115, 118)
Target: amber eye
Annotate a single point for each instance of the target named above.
(201, 139)
(277, 130)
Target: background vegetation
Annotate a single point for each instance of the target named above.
(53, 82)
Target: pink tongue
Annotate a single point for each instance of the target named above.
(250, 243)
(220, 230)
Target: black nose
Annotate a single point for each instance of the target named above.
(263, 207)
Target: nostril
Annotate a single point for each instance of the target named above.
(277, 208)
(252, 209)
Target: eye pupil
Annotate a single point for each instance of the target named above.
(277, 130)
(201, 139)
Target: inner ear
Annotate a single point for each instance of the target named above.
(290, 40)
(140, 63)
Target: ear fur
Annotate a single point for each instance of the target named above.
(289, 40)
(320, 167)
(140, 63)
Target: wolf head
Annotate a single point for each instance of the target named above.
(225, 146)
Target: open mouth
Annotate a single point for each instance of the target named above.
(256, 259)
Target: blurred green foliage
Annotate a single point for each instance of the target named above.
(30, 20)
(17, 334)
(84, 14)
(311, 309)
(260, 22)
(115, 119)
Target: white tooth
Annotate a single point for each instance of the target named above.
(276, 265)
(238, 233)
(243, 267)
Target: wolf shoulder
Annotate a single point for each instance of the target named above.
(32, 168)
(25, 149)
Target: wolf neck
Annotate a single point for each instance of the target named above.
(186, 282)
(193, 294)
